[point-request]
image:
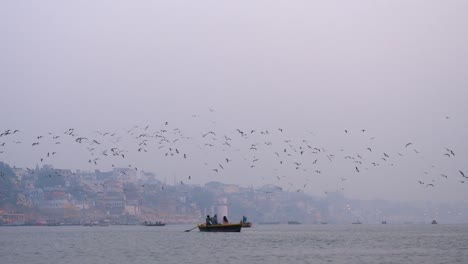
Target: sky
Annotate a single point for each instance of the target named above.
(397, 69)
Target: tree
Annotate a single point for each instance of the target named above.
(8, 189)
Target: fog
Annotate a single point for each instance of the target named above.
(396, 69)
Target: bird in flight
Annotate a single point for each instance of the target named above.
(463, 174)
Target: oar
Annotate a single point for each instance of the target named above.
(188, 230)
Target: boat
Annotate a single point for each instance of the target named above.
(294, 223)
(434, 222)
(220, 228)
(104, 223)
(157, 223)
(384, 222)
(357, 222)
(246, 224)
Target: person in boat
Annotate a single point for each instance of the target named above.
(225, 220)
(208, 220)
(244, 219)
(214, 220)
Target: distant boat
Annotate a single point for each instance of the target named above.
(384, 222)
(104, 223)
(294, 223)
(53, 222)
(434, 222)
(157, 223)
(220, 228)
(357, 222)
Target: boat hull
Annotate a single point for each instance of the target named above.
(159, 223)
(247, 224)
(220, 228)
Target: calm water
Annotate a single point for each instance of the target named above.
(259, 244)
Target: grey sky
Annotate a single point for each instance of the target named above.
(395, 68)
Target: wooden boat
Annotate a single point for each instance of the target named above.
(158, 223)
(246, 224)
(220, 228)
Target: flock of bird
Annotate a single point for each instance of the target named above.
(219, 151)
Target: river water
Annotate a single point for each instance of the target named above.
(259, 244)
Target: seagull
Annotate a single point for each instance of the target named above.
(451, 151)
(408, 144)
(463, 174)
(357, 169)
(420, 182)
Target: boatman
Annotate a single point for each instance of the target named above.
(208, 220)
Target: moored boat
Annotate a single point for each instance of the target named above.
(220, 228)
(158, 223)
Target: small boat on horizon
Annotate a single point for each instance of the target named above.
(157, 223)
(294, 223)
(434, 222)
(357, 222)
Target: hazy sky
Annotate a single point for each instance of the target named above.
(395, 68)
